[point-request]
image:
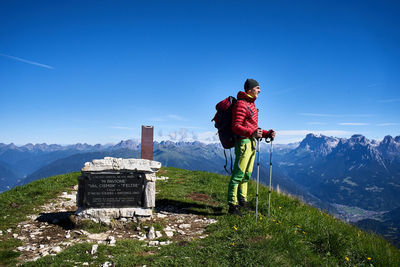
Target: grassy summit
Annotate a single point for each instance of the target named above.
(295, 234)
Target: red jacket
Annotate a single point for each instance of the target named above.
(245, 116)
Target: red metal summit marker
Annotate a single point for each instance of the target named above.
(147, 142)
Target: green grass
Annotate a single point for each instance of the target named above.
(294, 235)
(93, 227)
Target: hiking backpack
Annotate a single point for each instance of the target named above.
(223, 122)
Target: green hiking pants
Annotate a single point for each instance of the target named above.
(245, 153)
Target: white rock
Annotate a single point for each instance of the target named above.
(9, 230)
(160, 215)
(179, 221)
(107, 264)
(1, 232)
(153, 243)
(184, 226)
(101, 236)
(85, 264)
(158, 234)
(149, 197)
(44, 253)
(109, 163)
(181, 232)
(56, 250)
(94, 249)
(48, 237)
(67, 236)
(144, 212)
(111, 240)
(42, 246)
(15, 235)
(151, 235)
(20, 248)
(169, 233)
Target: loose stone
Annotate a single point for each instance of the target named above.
(94, 249)
(44, 253)
(184, 226)
(151, 235)
(158, 234)
(111, 240)
(56, 250)
(153, 243)
(181, 232)
(169, 233)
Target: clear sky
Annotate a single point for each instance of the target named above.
(95, 71)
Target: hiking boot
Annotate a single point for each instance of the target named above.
(234, 209)
(245, 205)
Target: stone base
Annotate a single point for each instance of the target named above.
(104, 215)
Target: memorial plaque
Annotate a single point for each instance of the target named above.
(147, 142)
(112, 189)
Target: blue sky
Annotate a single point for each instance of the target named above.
(95, 71)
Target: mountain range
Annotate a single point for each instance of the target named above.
(355, 178)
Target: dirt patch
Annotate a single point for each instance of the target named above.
(201, 198)
(147, 253)
(162, 172)
(258, 239)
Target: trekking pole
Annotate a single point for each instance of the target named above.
(258, 175)
(270, 179)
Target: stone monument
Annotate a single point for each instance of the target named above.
(115, 188)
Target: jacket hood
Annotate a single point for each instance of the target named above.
(244, 96)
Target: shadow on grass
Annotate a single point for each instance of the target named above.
(62, 219)
(183, 207)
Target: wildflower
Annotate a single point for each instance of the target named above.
(234, 227)
(304, 232)
(280, 208)
(347, 259)
(369, 258)
(295, 231)
(233, 244)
